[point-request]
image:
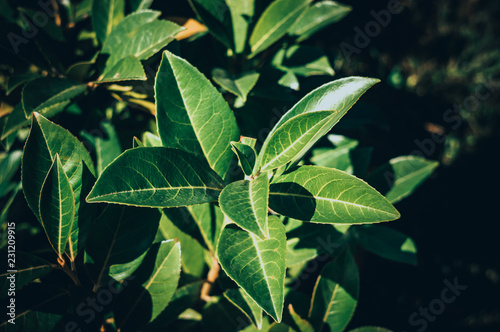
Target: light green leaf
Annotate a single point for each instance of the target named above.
(246, 202)
(57, 206)
(239, 86)
(294, 138)
(150, 139)
(162, 264)
(242, 13)
(28, 268)
(303, 60)
(156, 177)
(145, 35)
(318, 16)
(258, 266)
(210, 221)
(244, 302)
(401, 176)
(335, 294)
(246, 156)
(387, 242)
(326, 195)
(216, 16)
(49, 95)
(338, 157)
(338, 96)
(106, 14)
(274, 22)
(192, 115)
(301, 323)
(126, 69)
(109, 242)
(46, 139)
(370, 329)
(289, 80)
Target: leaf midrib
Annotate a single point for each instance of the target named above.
(154, 189)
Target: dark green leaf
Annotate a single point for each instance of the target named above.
(15, 121)
(273, 24)
(17, 80)
(335, 294)
(387, 242)
(338, 157)
(239, 86)
(318, 16)
(156, 291)
(246, 202)
(107, 147)
(244, 302)
(57, 207)
(242, 13)
(106, 14)
(192, 115)
(257, 266)
(302, 324)
(216, 16)
(326, 195)
(156, 177)
(9, 165)
(246, 156)
(28, 268)
(401, 176)
(46, 139)
(370, 329)
(49, 95)
(109, 243)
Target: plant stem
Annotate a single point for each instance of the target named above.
(213, 274)
(70, 271)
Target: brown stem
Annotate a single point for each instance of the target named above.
(70, 271)
(213, 274)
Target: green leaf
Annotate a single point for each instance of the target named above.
(17, 80)
(192, 115)
(39, 307)
(145, 36)
(326, 195)
(156, 177)
(318, 16)
(15, 121)
(191, 249)
(258, 266)
(401, 176)
(109, 243)
(294, 138)
(274, 22)
(57, 206)
(337, 96)
(246, 156)
(9, 165)
(210, 221)
(162, 264)
(185, 297)
(216, 16)
(244, 302)
(138, 5)
(303, 60)
(387, 242)
(370, 329)
(335, 294)
(301, 323)
(150, 139)
(289, 80)
(106, 14)
(126, 69)
(338, 157)
(46, 139)
(242, 13)
(239, 86)
(245, 203)
(49, 95)
(108, 147)
(28, 268)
